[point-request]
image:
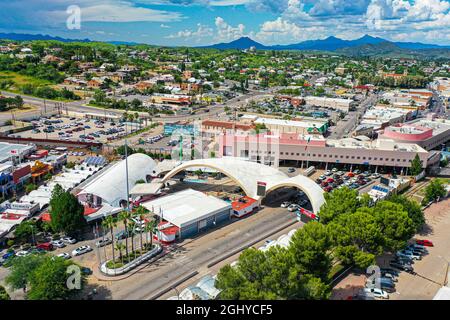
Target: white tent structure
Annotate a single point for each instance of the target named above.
(111, 184)
(247, 174)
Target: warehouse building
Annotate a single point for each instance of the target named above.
(190, 211)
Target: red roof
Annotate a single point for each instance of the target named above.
(239, 205)
(46, 217)
(88, 210)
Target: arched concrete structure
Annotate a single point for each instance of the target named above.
(247, 174)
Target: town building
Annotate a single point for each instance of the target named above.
(190, 211)
(310, 150)
(344, 105)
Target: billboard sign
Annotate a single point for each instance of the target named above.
(261, 190)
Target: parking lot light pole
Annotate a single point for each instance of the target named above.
(446, 270)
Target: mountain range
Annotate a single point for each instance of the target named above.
(364, 46)
(328, 44)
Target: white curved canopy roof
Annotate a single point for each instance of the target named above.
(247, 174)
(111, 184)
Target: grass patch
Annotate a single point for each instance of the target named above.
(20, 80)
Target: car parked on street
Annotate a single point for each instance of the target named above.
(377, 293)
(285, 204)
(64, 255)
(81, 250)
(425, 243)
(69, 240)
(103, 242)
(58, 243)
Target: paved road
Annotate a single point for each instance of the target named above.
(345, 127)
(196, 255)
(45, 107)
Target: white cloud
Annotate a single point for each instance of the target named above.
(279, 31)
(226, 32)
(196, 35)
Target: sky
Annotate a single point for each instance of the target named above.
(204, 22)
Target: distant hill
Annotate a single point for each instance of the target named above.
(29, 37)
(241, 44)
(330, 44)
(390, 49)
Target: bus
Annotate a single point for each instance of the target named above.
(309, 171)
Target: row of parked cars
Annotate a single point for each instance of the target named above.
(338, 179)
(155, 138)
(296, 202)
(402, 262)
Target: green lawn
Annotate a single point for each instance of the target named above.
(20, 80)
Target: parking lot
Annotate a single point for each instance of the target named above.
(77, 129)
(429, 266)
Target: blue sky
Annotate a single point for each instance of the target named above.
(202, 22)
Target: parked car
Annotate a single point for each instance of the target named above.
(401, 266)
(328, 173)
(8, 255)
(293, 207)
(103, 242)
(412, 254)
(69, 240)
(81, 250)
(285, 204)
(425, 243)
(121, 235)
(58, 243)
(64, 255)
(23, 253)
(377, 293)
(291, 170)
(86, 271)
(389, 270)
(47, 246)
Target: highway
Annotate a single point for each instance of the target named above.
(45, 107)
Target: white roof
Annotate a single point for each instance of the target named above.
(247, 174)
(186, 207)
(110, 185)
(146, 188)
(443, 294)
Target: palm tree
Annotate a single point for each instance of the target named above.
(110, 223)
(149, 227)
(119, 246)
(140, 213)
(132, 227)
(124, 216)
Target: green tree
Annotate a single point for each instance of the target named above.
(48, 281)
(125, 217)
(357, 237)
(21, 271)
(395, 224)
(416, 166)
(30, 187)
(25, 230)
(3, 294)
(434, 190)
(66, 213)
(110, 223)
(413, 208)
(309, 247)
(338, 202)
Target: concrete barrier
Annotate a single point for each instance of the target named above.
(133, 264)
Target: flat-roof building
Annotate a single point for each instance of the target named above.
(191, 211)
(427, 133)
(343, 105)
